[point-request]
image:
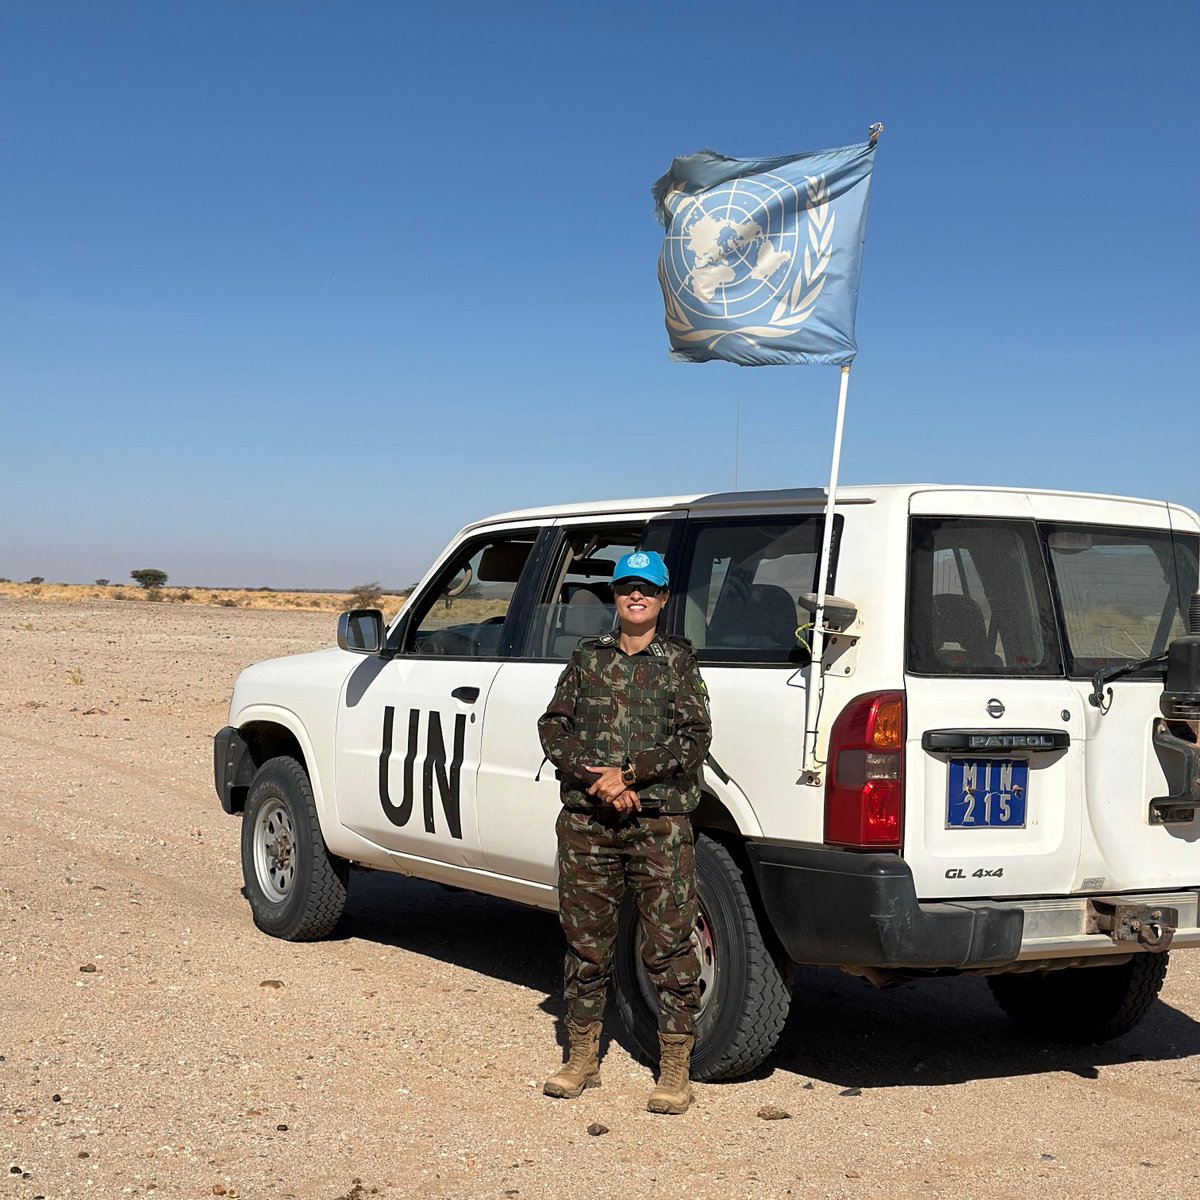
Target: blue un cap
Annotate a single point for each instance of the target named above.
(642, 564)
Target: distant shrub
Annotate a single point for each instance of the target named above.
(366, 595)
(37, 579)
(102, 583)
(184, 595)
(151, 578)
(155, 595)
(224, 602)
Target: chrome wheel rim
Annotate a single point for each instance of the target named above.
(275, 851)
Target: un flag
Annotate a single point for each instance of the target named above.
(761, 259)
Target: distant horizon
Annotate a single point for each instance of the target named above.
(390, 589)
(46, 581)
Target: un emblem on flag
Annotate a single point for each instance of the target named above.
(747, 258)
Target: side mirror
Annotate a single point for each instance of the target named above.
(361, 631)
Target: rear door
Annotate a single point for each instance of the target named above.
(995, 739)
(1122, 591)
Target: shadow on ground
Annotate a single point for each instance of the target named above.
(841, 1030)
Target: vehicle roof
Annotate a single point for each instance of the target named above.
(785, 498)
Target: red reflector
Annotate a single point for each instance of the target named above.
(882, 812)
(864, 781)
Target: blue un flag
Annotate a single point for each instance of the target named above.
(761, 259)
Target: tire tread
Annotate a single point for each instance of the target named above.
(768, 997)
(1082, 1005)
(325, 897)
(761, 1005)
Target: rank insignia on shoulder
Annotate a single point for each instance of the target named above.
(607, 639)
(657, 650)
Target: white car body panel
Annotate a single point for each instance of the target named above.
(1087, 831)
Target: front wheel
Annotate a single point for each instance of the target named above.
(745, 992)
(295, 887)
(1081, 1004)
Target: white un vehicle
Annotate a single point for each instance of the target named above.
(1003, 778)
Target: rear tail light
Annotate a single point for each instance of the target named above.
(864, 786)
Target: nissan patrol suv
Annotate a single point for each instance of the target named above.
(997, 773)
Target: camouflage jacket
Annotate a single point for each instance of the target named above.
(650, 707)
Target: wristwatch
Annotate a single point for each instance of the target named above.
(628, 778)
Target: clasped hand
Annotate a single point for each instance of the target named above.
(610, 789)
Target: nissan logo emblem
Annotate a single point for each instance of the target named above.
(995, 708)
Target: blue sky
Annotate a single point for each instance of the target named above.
(291, 291)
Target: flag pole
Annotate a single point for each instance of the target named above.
(737, 442)
(812, 701)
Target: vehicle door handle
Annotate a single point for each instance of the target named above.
(468, 695)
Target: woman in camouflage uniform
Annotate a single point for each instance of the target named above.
(628, 729)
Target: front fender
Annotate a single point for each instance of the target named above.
(275, 714)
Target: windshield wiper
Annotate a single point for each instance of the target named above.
(1108, 674)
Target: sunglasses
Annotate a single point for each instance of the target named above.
(629, 586)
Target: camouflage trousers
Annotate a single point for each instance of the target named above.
(600, 855)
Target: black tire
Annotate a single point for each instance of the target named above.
(295, 887)
(1081, 1005)
(746, 988)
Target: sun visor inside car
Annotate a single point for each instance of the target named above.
(503, 563)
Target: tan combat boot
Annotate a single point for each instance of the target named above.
(582, 1068)
(674, 1091)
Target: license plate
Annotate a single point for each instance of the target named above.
(987, 793)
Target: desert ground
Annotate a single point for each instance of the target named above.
(154, 1043)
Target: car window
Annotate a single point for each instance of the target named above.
(1123, 593)
(978, 600)
(742, 586)
(577, 601)
(463, 613)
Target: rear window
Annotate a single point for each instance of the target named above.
(742, 585)
(1123, 593)
(978, 602)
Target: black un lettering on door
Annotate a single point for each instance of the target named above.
(433, 766)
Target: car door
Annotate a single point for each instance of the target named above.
(995, 732)
(410, 724)
(518, 791)
(1122, 591)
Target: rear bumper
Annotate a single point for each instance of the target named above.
(1056, 927)
(838, 908)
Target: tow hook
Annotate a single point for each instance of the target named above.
(1152, 928)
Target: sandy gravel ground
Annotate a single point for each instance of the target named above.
(145, 1050)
